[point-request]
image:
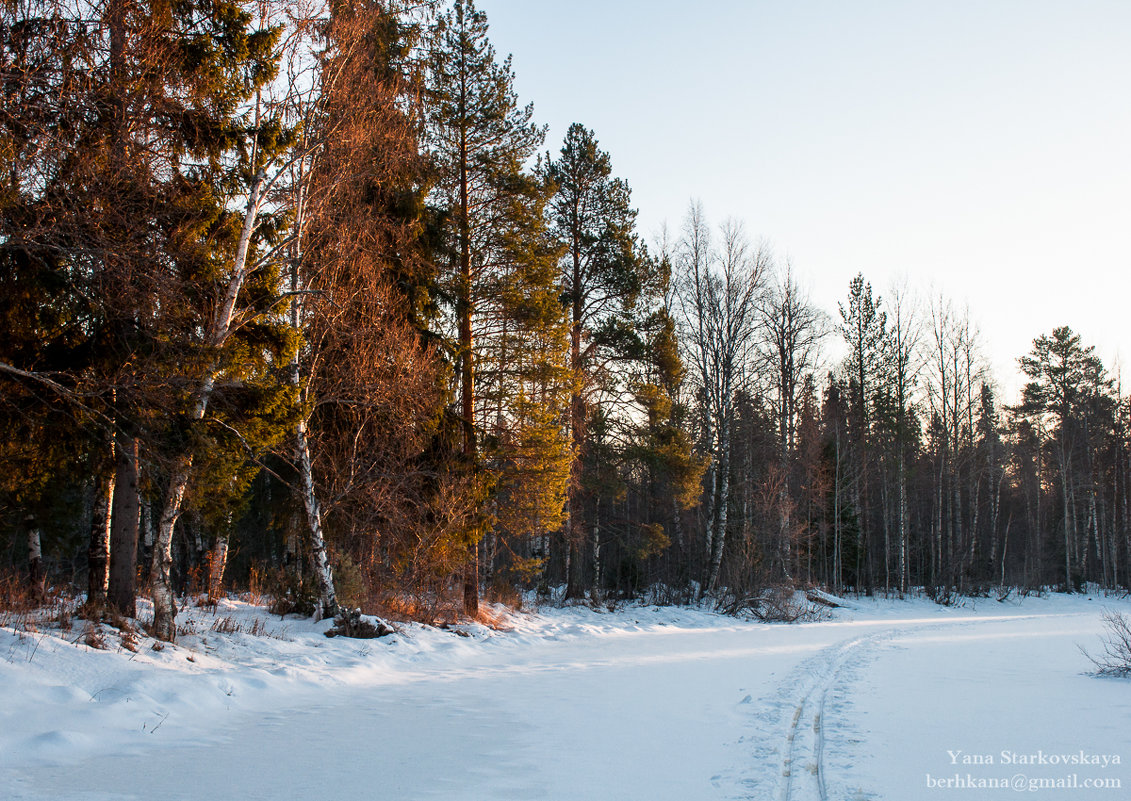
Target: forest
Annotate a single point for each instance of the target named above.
(297, 297)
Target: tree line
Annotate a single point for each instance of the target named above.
(296, 294)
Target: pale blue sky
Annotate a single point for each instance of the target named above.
(979, 148)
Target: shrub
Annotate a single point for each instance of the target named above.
(1115, 659)
(778, 605)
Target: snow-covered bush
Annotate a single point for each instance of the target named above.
(351, 623)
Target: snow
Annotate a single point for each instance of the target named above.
(642, 703)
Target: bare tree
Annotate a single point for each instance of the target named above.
(956, 370)
(719, 295)
(792, 329)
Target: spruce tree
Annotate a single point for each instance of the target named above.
(47, 320)
(121, 217)
(219, 313)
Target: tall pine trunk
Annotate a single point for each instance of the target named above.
(575, 532)
(467, 365)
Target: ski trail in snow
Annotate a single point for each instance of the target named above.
(802, 747)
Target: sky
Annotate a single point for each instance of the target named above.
(978, 150)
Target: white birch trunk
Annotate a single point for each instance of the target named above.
(34, 546)
(98, 553)
(904, 525)
(36, 573)
(164, 607)
(160, 573)
(597, 549)
(327, 605)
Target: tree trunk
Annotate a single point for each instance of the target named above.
(160, 572)
(596, 548)
(677, 525)
(124, 529)
(903, 523)
(574, 563)
(1005, 548)
(164, 608)
(99, 549)
(885, 520)
(838, 572)
(327, 604)
(1068, 587)
(323, 574)
(37, 576)
(575, 518)
(719, 539)
(712, 511)
(465, 310)
(937, 573)
(217, 563)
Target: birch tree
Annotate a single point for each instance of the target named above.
(239, 286)
(902, 363)
(955, 373)
(719, 292)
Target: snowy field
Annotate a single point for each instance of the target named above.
(886, 700)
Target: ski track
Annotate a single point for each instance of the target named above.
(802, 745)
(802, 774)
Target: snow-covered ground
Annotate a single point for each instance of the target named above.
(886, 700)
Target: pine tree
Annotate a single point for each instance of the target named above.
(609, 285)
(863, 326)
(479, 139)
(1063, 374)
(526, 379)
